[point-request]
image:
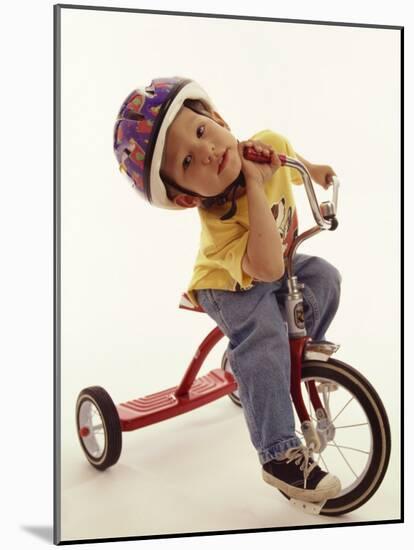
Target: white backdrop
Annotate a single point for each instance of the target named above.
(333, 90)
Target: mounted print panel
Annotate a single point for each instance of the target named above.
(227, 274)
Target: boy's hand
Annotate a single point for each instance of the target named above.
(321, 174)
(256, 171)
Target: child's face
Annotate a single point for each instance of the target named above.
(194, 150)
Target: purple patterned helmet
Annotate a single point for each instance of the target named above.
(140, 130)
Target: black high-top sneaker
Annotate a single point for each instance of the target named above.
(298, 476)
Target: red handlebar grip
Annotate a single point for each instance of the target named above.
(250, 153)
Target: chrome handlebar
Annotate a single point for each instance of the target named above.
(324, 214)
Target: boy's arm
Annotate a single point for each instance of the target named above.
(320, 173)
(263, 259)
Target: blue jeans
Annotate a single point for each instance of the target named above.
(258, 349)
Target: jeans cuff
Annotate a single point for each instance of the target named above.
(278, 450)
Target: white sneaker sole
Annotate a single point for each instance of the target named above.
(329, 487)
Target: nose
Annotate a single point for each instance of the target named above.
(207, 152)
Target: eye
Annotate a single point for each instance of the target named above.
(187, 161)
(188, 158)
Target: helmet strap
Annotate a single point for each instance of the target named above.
(239, 182)
(220, 198)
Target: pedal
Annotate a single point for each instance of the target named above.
(312, 508)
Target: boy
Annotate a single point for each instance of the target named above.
(180, 153)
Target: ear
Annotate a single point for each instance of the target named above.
(217, 118)
(187, 201)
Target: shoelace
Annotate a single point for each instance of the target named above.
(301, 456)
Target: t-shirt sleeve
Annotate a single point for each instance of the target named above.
(295, 175)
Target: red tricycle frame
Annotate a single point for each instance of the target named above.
(100, 422)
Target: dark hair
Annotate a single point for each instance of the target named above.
(198, 106)
(169, 185)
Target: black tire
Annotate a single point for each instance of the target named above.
(364, 486)
(225, 365)
(102, 448)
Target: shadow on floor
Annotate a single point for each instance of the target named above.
(44, 532)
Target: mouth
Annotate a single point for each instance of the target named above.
(223, 162)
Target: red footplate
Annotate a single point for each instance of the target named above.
(164, 404)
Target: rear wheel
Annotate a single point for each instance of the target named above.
(225, 365)
(99, 428)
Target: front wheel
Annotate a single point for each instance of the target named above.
(357, 437)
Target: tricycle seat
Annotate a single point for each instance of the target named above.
(186, 303)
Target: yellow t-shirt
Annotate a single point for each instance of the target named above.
(223, 243)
